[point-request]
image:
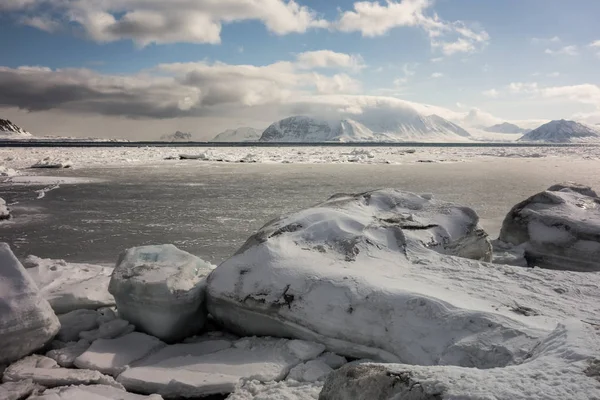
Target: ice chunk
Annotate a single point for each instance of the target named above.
(112, 356)
(376, 275)
(27, 322)
(69, 286)
(65, 355)
(310, 371)
(558, 228)
(201, 369)
(4, 212)
(557, 369)
(284, 390)
(333, 360)
(44, 371)
(160, 289)
(91, 392)
(109, 330)
(17, 390)
(74, 322)
(49, 162)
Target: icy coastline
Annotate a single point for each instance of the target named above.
(370, 295)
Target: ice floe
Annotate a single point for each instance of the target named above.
(91, 392)
(160, 289)
(52, 163)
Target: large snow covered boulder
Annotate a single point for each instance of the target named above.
(560, 367)
(161, 290)
(71, 286)
(27, 322)
(377, 275)
(558, 228)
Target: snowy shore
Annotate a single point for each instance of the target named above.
(373, 295)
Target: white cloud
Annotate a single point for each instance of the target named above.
(371, 18)
(585, 93)
(437, 75)
(567, 51)
(330, 59)
(523, 87)
(554, 39)
(493, 93)
(42, 23)
(437, 59)
(595, 43)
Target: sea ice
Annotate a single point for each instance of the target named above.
(284, 390)
(560, 367)
(112, 356)
(17, 390)
(66, 354)
(161, 289)
(91, 392)
(27, 322)
(52, 163)
(310, 371)
(211, 367)
(44, 371)
(357, 273)
(108, 330)
(558, 228)
(75, 322)
(70, 286)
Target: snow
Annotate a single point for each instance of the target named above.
(91, 392)
(112, 356)
(160, 289)
(4, 211)
(559, 368)
(561, 131)
(71, 286)
(211, 367)
(557, 228)
(284, 390)
(243, 134)
(44, 371)
(27, 322)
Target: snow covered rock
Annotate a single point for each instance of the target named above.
(71, 286)
(4, 211)
(212, 367)
(243, 134)
(27, 322)
(112, 356)
(52, 163)
(75, 322)
(558, 228)
(562, 131)
(161, 290)
(284, 390)
(361, 274)
(558, 368)
(44, 371)
(17, 390)
(91, 392)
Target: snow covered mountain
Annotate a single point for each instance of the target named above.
(8, 129)
(177, 137)
(403, 125)
(243, 134)
(562, 131)
(505, 127)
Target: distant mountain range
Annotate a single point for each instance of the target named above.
(177, 137)
(505, 127)
(8, 129)
(562, 131)
(243, 134)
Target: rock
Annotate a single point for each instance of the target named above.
(44, 371)
(555, 370)
(27, 322)
(91, 392)
(112, 356)
(52, 163)
(17, 390)
(161, 289)
(213, 367)
(4, 211)
(75, 322)
(70, 286)
(66, 355)
(284, 390)
(376, 275)
(557, 229)
(109, 330)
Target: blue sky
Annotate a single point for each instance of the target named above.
(178, 64)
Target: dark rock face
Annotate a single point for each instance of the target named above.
(559, 228)
(8, 127)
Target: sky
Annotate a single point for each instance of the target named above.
(138, 69)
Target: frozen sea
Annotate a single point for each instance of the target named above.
(210, 208)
